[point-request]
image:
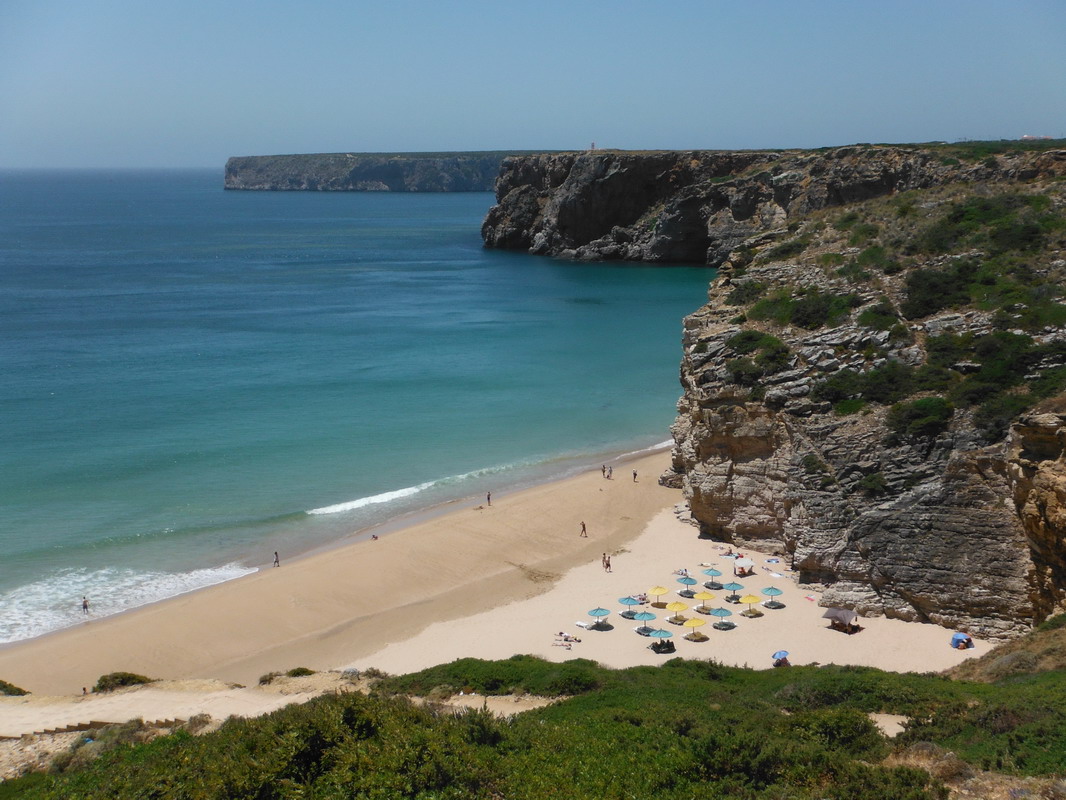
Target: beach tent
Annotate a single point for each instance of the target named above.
(743, 566)
(957, 637)
(844, 616)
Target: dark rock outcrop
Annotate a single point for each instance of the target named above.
(700, 206)
(366, 172)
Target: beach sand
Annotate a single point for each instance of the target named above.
(476, 581)
(335, 607)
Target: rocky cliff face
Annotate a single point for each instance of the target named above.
(877, 386)
(366, 172)
(699, 206)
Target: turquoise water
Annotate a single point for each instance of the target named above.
(193, 378)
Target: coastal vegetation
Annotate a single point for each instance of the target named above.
(686, 728)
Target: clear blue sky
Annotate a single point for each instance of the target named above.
(98, 83)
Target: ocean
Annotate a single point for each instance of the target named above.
(193, 379)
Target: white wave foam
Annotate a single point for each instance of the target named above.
(54, 602)
(384, 497)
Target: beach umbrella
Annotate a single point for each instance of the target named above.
(685, 579)
(676, 607)
(703, 597)
(750, 599)
(694, 623)
(958, 637)
(628, 602)
(659, 633)
(780, 654)
(744, 564)
(733, 587)
(657, 592)
(600, 615)
(642, 617)
(721, 613)
(713, 573)
(772, 592)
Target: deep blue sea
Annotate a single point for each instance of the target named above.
(191, 379)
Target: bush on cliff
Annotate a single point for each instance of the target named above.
(811, 309)
(920, 419)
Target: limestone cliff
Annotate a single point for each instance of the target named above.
(366, 172)
(877, 385)
(698, 206)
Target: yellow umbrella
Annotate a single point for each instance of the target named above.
(704, 596)
(677, 608)
(657, 592)
(694, 623)
(750, 599)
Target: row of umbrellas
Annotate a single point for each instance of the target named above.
(599, 614)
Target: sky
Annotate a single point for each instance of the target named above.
(129, 83)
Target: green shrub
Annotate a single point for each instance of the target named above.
(873, 484)
(852, 405)
(881, 316)
(745, 293)
(117, 680)
(831, 259)
(929, 291)
(789, 249)
(299, 672)
(748, 341)
(919, 419)
(11, 689)
(995, 415)
(847, 221)
(863, 233)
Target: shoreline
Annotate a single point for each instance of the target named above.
(334, 606)
(574, 465)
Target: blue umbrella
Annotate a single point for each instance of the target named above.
(773, 591)
(780, 654)
(600, 614)
(643, 616)
(687, 592)
(713, 573)
(661, 636)
(629, 602)
(733, 587)
(721, 613)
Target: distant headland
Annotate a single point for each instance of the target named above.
(369, 172)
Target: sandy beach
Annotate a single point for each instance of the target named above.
(476, 581)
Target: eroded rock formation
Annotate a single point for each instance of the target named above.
(950, 525)
(699, 206)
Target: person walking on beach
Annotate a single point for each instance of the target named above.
(607, 564)
(584, 532)
(277, 561)
(603, 470)
(488, 498)
(84, 604)
(610, 472)
(605, 561)
(634, 476)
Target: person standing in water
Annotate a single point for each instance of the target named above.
(84, 604)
